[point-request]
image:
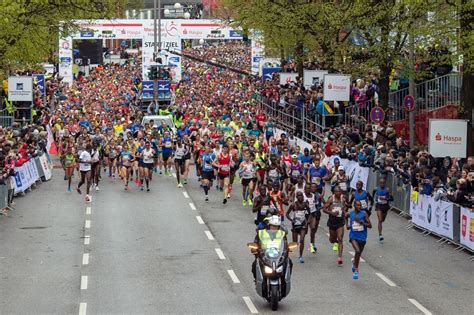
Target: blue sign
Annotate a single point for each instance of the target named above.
(148, 89)
(409, 103)
(164, 89)
(234, 34)
(267, 73)
(174, 61)
(39, 80)
(257, 59)
(87, 34)
(377, 115)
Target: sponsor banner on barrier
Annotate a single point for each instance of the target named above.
(46, 167)
(435, 216)
(448, 135)
(467, 228)
(25, 176)
(336, 87)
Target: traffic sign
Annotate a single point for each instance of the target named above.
(377, 115)
(409, 103)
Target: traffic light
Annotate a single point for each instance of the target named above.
(153, 73)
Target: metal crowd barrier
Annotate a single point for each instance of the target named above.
(3, 196)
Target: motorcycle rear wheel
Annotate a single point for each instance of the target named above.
(274, 297)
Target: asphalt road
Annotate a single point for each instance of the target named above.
(168, 251)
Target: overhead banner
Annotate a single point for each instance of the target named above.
(313, 77)
(164, 89)
(435, 216)
(148, 90)
(267, 63)
(20, 88)
(337, 87)
(467, 228)
(172, 32)
(287, 77)
(448, 137)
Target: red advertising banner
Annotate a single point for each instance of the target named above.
(422, 123)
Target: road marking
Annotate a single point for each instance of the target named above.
(193, 207)
(83, 309)
(88, 210)
(209, 235)
(420, 307)
(85, 259)
(185, 195)
(220, 254)
(233, 276)
(200, 221)
(387, 280)
(88, 224)
(250, 305)
(87, 240)
(84, 280)
(353, 254)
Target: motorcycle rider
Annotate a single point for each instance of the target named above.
(271, 234)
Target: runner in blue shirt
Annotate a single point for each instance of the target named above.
(208, 160)
(316, 174)
(357, 222)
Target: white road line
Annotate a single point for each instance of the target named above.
(193, 207)
(233, 276)
(85, 259)
(387, 280)
(88, 224)
(250, 305)
(353, 254)
(209, 235)
(420, 307)
(220, 254)
(88, 210)
(87, 240)
(199, 219)
(83, 309)
(185, 195)
(84, 280)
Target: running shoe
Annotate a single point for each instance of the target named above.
(380, 238)
(180, 185)
(69, 190)
(244, 203)
(353, 268)
(155, 170)
(207, 198)
(170, 174)
(97, 188)
(335, 247)
(78, 190)
(301, 260)
(250, 202)
(312, 248)
(355, 275)
(65, 177)
(88, 199)
(126, 187)
(225, 201)
(148, 190)
(142, 188)
(339, 261)
(161, 172)
(185, 182)
(137, 182)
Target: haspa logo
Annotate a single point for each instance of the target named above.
(123, 31)
(185, 31)
(336, 87)
(171, 28)
(65, 45)
(447, 138)
(330, 86)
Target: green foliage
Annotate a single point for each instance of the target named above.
(29, 29)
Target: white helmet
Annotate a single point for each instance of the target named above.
(274, 220)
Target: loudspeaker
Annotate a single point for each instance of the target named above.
(91, 49)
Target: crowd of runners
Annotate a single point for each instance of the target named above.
(227, 145)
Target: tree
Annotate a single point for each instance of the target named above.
(29, 29)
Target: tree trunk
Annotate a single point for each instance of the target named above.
(384, 87)
(299, 51)
(467, 91)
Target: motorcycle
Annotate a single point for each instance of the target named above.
(273, 271)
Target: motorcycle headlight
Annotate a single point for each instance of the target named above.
(280, 269)
(268, 269)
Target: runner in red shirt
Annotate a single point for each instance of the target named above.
(223, 165)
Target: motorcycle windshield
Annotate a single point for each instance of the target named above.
(274, 250)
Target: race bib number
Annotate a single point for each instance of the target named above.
(168, 144)
(343, 186)
(295, 173)
(264, 210)
(337, 211)
(356, 226)
(363, 204)
(381, 200)
(317, 180)
(225, 168)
